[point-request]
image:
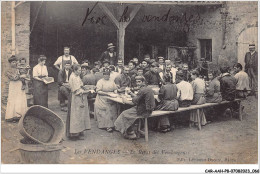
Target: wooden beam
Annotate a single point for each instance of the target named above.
(19, 3)
(121, 41)
(110, 15)
(133, 13)
(13, 27)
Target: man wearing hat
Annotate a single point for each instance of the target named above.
(63, 82)
(59, 64)
(110, 54)
(251, 63)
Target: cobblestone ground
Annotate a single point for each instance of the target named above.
(223, 141)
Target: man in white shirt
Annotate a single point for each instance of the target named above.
(60, 62)
(161, 64)
(242, 86)
(185, 91)
(173, 69)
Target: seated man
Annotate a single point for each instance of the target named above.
(63, 82)
(227, 84)
(145, 66)
(105, 66)
(242, 86)
(152, 77)
(173, 69)
(186, 72)
(123, 80)
(145, 103)
(167, 72)
(140, 72)
(120, 66)
(161, 64)
(136, 62)
(185, 91)
(227, 89)
(147, 58)
(132, 68)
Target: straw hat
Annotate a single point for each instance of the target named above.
(110, 45)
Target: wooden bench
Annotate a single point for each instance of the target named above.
(159, 113)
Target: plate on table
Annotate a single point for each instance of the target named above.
(89, 87)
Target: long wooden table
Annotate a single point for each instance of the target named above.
(158, 113)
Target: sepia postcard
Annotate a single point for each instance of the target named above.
(129, 82)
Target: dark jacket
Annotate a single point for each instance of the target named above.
(123, 81)
(144, 101)
(152, 78)
(62, 76)
(228, 87)
(105, 55)
(251, 61)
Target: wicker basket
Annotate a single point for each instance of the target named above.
(40, 153)
(41, 125)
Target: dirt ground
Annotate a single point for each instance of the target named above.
(223, 141)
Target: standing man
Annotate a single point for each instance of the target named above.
(251, 63)
(110, 54)
(60, 62)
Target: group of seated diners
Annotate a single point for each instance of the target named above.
(178, 87)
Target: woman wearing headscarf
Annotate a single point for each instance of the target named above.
(40, 89)
(17, 102)
(105, 110)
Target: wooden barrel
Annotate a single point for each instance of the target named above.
(40, 153)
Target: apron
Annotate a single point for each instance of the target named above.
(64, 62)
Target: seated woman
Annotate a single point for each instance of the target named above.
(105, 110)
(17, 102)
(78, 119)
(213, 94)
(167, 95)
(199, 88)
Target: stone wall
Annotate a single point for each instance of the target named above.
(239, 16)
(22, 31)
